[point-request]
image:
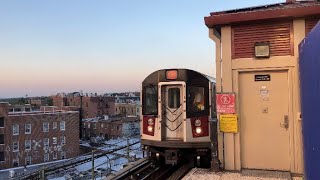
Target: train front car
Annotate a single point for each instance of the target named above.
(176, 109)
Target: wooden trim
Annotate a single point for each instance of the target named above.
(292, 38)
(233, 54)
(231, 18)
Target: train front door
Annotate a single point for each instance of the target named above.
(172, 112)
(264, 105)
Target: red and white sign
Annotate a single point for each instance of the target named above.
(226, 103)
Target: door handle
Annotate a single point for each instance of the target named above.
(285, 123)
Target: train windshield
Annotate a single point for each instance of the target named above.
(151, 101)
(196, 99)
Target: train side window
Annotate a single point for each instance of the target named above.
(150, 101)
(196, 99)
(174, 98)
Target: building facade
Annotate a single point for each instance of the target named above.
(92, 105)
(110, 127)
(257, 59)
(127, 109)
(28, 138)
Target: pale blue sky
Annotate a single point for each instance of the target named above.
(102, 45)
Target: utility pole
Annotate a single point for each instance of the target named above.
(92, 171)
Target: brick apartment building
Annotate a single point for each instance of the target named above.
(127, 109)
(93, 105)
(110, 127)
(35, 137)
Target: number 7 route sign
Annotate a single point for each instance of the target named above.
(226, 103)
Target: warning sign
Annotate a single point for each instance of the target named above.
(226, 103)
(229, 123)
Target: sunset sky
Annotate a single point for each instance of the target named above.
(102, 46)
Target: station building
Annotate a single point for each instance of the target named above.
(257, 59)
(32, 137)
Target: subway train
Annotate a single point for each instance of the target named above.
(178, 115)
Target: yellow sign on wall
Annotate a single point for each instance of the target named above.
(229, 123)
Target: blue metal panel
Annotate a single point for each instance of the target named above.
(310, 98)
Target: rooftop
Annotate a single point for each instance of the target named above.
(23, 113)
(271, 11)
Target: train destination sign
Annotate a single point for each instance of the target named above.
(226, 103)
(229, 123)
(265, 77)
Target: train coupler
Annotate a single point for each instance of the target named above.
(172, 156)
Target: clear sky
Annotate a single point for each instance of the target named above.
(51, 46)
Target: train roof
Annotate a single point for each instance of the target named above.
(183, 75)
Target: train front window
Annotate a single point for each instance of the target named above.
(151, 101)
(196, 99)
(174, 98)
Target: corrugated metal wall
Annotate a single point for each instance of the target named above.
(279, 34)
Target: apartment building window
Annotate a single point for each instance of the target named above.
(28, 160)
(46, 143)
(1, 122)
(45, 127)
(15, 129)
(95, 126)
(46, 157)
(62, 125)
(63, 155)
(54, 140)
(27, 144)
(2, 156)
(88, 125)
(15, 162)
(28, 129)
(63, 140)
(101, 125)
(55, 156)
(84, 125)
(1, 138)
(15, 146)
(54, 125)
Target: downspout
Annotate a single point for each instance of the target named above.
(215, 35)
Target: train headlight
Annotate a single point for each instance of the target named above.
(197, 122)
(150, 122)
(150, 129)
(198, 130)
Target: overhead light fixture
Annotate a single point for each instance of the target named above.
(262, 50)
